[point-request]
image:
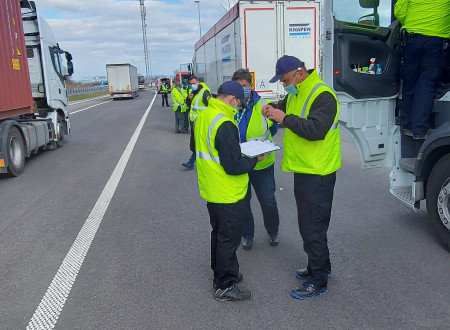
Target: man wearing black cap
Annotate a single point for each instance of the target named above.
(312, 152)
(223, 181)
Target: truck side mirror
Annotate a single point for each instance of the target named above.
(369, 3)
(368, 20)
(70, 68)
(371, 19)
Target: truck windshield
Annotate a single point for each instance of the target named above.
(351, 11)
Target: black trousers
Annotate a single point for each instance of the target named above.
(226, 223)
(421, 71)
(314, 198)
(164, 97)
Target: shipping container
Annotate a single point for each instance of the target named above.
(15, 88)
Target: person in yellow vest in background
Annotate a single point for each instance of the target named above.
(426, 25)
(223, 182)
(253, 125)
(197, 101)
(312, 152)
(179, 108)
(185, 92)
(164, 93)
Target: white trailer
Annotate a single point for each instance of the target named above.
(254, 35)
(122, 80)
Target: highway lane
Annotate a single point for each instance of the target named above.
(148, 266)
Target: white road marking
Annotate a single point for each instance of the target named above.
(51, 305)
(71, 113)
(87, 100)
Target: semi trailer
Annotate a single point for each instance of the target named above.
(122, 81)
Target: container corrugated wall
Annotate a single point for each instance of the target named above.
(15, 88)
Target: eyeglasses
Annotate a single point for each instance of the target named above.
(285, 84)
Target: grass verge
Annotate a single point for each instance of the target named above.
(86, 96)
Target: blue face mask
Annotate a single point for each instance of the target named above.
(247, 91)
(291, 89)
(194, 87)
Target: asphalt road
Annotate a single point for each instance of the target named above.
(148, 264)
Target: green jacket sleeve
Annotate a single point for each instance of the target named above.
(400, 10)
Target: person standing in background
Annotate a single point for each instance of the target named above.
(197, 101)
(164, 91)
(253, 125)
(179, 108)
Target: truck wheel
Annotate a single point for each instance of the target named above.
(60, 129)
(438, 200)
(15, 151)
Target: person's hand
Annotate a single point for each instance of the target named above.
(274, 114)
(265, 108)
(260, 158)
(190, 96)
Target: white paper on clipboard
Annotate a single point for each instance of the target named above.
(255, 148)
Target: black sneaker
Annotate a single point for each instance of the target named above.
(232, 293)
(247, 243)
(187, 165)
(239, 279)
(308, 290)
(303, 274)
(274, 241)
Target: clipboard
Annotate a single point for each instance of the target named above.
(254, 148)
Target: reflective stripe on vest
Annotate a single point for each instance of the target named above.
(197, 101)
(209, 156)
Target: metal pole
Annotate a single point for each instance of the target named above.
(199, 24)
(148, 68)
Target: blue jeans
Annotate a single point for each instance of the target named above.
(421, 72)
(263, 181)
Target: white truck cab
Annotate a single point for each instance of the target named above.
(370, 103)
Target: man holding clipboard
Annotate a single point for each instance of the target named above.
(223, 182)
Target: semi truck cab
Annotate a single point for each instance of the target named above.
(49, 66)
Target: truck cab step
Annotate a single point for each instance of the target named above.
(407, 164)
(404, 194)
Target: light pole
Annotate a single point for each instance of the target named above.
(199, 25)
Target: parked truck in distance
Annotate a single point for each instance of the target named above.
(33, 96)
(122, 81)
(141, 82)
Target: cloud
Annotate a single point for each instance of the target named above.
(98, 32)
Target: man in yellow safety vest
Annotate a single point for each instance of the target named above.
(312, 152)
(223, 181)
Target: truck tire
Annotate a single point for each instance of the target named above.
(438, 200)
(15, 151)
(60, 128)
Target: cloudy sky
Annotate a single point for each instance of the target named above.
(97, 32)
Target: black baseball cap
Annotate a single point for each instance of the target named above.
(285, 64)
(233, 88)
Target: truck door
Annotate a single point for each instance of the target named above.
(367, 99)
